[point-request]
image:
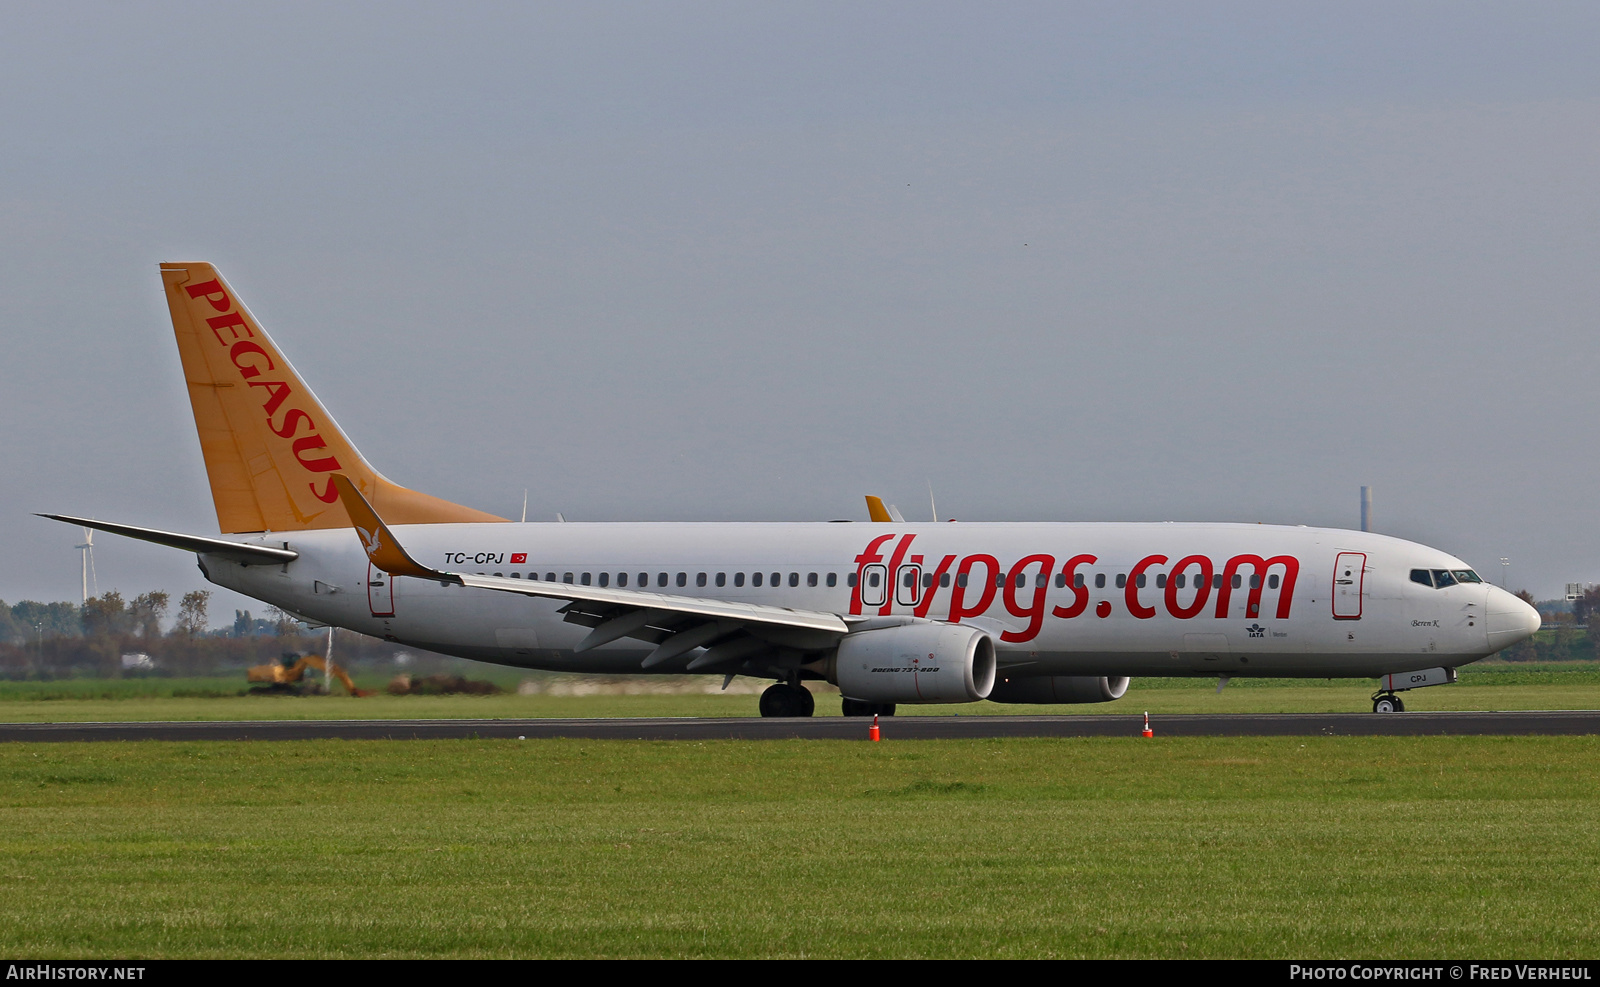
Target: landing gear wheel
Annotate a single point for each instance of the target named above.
(787, 700)
(857, 707)
(1388, 703)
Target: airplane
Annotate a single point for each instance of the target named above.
(891, 611)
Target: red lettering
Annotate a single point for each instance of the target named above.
(291, 421)
(249, 370)
(933, 587)
(1034, 613)
(233, 320)
(328, 494)
(1252, 609)
(894, 569)
(1080, 594)
(863, 560)
(315, 465)
(1202, 587)
(212, 291)
(958, 608)
(1134, 606)
(277, 393)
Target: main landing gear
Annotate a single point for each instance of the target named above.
(784, 699)
(1387, 702)
(855, 707)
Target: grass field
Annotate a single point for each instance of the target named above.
(1504, 686)
(1263, 847)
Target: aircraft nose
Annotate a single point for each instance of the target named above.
(1510, 619)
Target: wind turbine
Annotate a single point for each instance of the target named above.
(87, 551)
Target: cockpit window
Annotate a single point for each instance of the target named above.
(1465, 576)
(1422, 576)
(1442, 578)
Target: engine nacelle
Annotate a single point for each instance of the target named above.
(915, 663)
(1059, 689)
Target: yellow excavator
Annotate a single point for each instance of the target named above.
(286, 676)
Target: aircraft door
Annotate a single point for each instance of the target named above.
(1349, 585)
(380, 591)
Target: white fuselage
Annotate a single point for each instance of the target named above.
(1291, 615)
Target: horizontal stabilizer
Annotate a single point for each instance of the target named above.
(221, 548)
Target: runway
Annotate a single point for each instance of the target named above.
(1455, 724)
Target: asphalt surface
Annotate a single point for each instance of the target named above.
(1555, 722)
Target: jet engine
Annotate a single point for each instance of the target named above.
(1059, 689)
(915, 663)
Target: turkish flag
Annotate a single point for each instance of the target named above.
(519, 558)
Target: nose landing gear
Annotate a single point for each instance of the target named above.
(1387, 702)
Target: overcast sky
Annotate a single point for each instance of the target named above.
(1072, 261)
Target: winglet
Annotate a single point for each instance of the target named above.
(876, 510)
(383, 549)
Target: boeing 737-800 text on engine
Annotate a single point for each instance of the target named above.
(892, 612)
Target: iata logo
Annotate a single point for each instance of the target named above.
(1184, 588)
(253, 361)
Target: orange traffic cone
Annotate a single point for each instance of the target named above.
(1147, 731)
(872, 734)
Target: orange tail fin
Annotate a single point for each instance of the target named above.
(270, 446)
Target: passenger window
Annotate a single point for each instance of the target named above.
(1216, 580)
(683, 579)
(722, 579)
(1041, 580)
(605, 579)
(1238, 580)
(849, 579)
(1255, 581)
(1122, 580)
(566, 577)
(699, 579)
(777, 578)
(1442, 578)
(738, 579)
(755, 579)
(644, 579)
(961, 579)
(927, 580)
(999, 579)
(1061, 580)
(1180, 579)
(1077, 580)
(833, 579)
(794, 579)
(661, 579)
(584, 579)
(516, 575)
(622, 579)
(944, 579)
(811, 579)
(1141, 580)
(1099, 580)
(1161, 580)
(1272, 581)
(872, 580)
(500, 574)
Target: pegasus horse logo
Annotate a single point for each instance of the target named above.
(372, 541)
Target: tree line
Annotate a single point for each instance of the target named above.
(48, 640)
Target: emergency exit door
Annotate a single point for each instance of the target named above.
(1349, 585)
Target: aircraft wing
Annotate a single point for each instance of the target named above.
(222, 548)
(730, 631)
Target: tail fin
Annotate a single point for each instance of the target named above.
(270, 446)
